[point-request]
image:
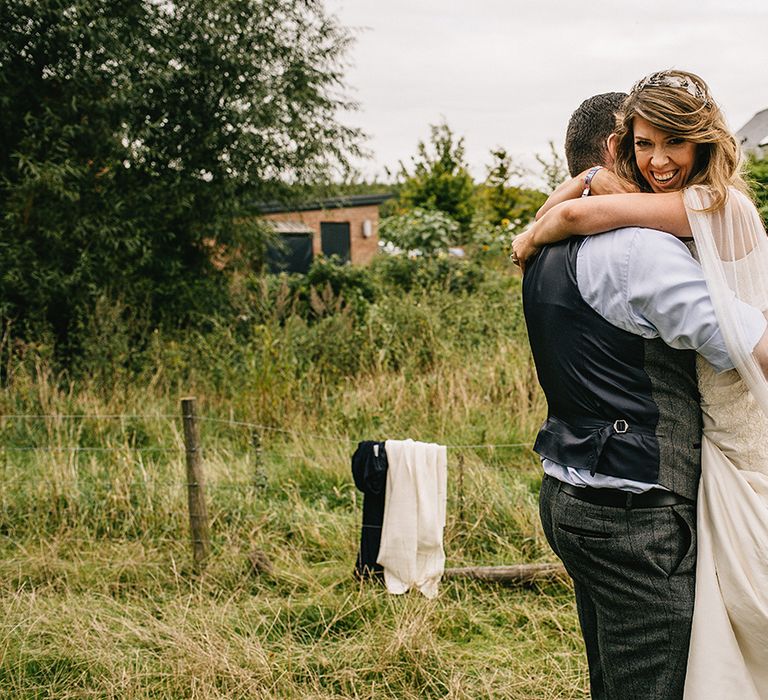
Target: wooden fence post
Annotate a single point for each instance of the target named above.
(198, 512)
(259, 477)
(461, 487)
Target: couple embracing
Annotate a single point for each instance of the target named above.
(651, 347)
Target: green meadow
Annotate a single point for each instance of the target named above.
(99, 597)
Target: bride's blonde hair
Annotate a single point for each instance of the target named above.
(680, 103)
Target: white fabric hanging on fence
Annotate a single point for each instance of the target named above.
(411, 550)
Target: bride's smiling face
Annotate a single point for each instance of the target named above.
(665, 161)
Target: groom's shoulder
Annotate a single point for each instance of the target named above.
(626, 255)
(625, 243)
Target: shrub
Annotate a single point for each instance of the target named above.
(404, 334)
(757, 176)
(440, 179)
(354, 284)
(457, 275)
(423, 231)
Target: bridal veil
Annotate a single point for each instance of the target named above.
(732, 247)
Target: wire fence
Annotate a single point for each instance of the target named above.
(255, 451)
(229, 422)
(255, 455)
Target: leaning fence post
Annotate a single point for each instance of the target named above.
(198, 513)
(259, 477)
(461, 487)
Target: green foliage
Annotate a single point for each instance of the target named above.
(403, 273)
(350, 281)
(487, 214)
(440, 178)
(132, 135)
(428, 231)
(554, 167)
(757, 175)
(499, 203)
(334, 347)
(111, 340)
(328, 288)
(353, 185)
(97, 593)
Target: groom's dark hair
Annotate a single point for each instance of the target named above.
(588, 130)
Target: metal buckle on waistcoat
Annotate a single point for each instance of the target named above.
(620, 426)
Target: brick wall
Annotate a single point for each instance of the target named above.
(361, 249)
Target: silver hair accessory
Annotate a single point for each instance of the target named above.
(666, 79)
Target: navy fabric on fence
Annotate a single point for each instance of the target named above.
(369, 470)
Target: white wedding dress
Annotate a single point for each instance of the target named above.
(729, 640)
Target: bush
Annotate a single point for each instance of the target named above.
(757, 176)
(440, 179)
(354, 284)
(456, 275)
(425, 231)
(405, 334)
(334, 347)
(327, 289)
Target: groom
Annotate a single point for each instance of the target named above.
(614, 322)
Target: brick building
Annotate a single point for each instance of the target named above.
(344, 226)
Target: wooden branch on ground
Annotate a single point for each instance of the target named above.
(517, 574)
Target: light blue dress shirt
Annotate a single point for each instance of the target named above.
(647, 282)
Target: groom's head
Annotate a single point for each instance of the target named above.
(586, 141)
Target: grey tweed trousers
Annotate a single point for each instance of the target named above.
(633, 574)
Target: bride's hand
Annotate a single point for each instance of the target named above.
(524, 247)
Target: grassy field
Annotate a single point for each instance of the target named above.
(98, 598)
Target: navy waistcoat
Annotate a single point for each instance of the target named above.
(618, 404)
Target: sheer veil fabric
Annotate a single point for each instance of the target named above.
(732, 247)
(729, 639)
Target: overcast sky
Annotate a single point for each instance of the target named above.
(510, 72)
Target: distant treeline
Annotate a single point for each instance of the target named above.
(137, 140)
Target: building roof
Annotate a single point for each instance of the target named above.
(290, 227)
(754, 134)
(353, 200)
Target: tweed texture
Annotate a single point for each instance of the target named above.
(633, 573)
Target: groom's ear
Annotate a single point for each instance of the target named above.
(612, 146)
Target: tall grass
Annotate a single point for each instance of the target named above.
(98, 597)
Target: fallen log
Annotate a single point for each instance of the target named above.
(516, 574)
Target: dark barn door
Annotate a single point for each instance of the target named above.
(293, 253)
(334, 239)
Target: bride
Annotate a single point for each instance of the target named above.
(671, 145)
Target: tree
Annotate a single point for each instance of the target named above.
(553, 166)
(440, 178)
(499, 202)
(133, 135)
(757, 176)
